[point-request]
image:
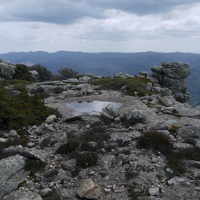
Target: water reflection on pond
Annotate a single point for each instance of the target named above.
(91, 107)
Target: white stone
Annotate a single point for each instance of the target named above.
(154, 191)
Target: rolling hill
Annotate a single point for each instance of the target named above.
(106, 64)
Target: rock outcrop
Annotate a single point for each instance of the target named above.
(7, 69)
(172, 76)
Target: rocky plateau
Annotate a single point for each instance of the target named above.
(116, 167)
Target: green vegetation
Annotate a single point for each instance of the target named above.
(43, 73)
(85, 147)
(132, 85)
(67, 73)
(52, 195)
(87, 159)
(40, 92)
(135, 193)
(131, 174)
(21, 110)
(34, 165)
(156, 141)
(58, 90)
(22, 73)
(174, 128)
(69, 147)
(176, 158)
(160, 142)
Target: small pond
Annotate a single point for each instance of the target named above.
(90, 107)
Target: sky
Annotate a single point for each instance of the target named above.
(100, 25)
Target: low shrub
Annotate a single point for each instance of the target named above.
(130, 174)
(45, 143)
(52, 195)
(135, 193)
(34, 165)
(76, 171)
(87, 159)
(22, 73)
(174, 128)
(66, 73)
(175, 159)
(155, 140)
(58, 90)
(98, 135)
(40, 91)
(69, 147)
(21, 110)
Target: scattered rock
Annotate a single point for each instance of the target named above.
(154, 191)
(123, 75)
(88, 190)
(179, 181)
(107, 161)
(85, 79)
(50, 119)
(69, 165)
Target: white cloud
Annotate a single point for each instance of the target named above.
(100, 25)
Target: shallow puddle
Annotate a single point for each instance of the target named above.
(90, 107)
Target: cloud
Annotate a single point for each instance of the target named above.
(50, 11)
(87, 25)
(141, 7)
(69, 11)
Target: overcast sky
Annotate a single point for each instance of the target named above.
(100, 25)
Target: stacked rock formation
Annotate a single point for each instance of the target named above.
(173, 75)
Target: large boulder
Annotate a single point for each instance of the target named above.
(7, 69)
(172, 76)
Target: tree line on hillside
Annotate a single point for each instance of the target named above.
(23, 72)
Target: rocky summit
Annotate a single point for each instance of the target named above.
(149, 148)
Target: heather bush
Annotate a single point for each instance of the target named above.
(87, 159)
(34, 165)
(67, 73)
(69, 147)
(155, 140)
(175, 159)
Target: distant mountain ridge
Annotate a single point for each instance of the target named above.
(106, 64)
